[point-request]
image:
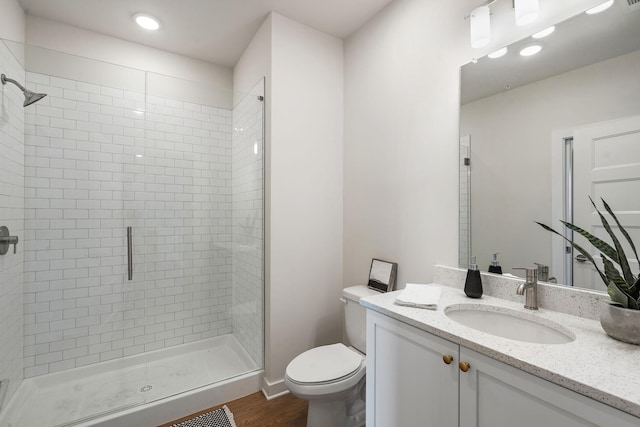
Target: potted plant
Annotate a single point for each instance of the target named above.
(620, 318)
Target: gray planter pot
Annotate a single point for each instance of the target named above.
(621, 323)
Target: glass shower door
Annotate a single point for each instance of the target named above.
(184, 229)
(79, 320)
(12, 169)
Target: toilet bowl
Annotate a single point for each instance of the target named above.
(332, 377)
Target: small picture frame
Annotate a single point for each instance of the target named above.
(382, 275)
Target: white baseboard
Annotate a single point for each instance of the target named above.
(274, 389)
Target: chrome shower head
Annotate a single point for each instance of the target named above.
(29, 96)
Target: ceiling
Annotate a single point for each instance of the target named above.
(216, 31)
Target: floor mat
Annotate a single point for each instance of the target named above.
(219, 418)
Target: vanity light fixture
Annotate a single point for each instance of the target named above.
(526, 11)
(480, 26)
(544, 33)
(531, 50)
(498, 53)
(147, 21)
(600, 8)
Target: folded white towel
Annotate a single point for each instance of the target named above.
(421, 296)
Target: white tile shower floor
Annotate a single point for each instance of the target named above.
(65, 398)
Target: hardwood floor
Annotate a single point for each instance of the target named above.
(256, 411)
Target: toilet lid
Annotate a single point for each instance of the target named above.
(322, 364)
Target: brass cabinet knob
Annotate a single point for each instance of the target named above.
(464, 366)
(447, 358)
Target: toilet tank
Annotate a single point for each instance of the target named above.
(355, 315)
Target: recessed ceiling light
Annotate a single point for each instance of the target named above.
(147, 21)
(531, 50)
(600, 8)
(544, 33)
(498, 53)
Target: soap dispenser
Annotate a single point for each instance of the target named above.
(495, 265)
(473, 284)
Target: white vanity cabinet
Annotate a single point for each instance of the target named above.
(410, 384)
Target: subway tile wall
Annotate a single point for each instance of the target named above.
(11, 216)
(464, 218)
(99, 159)
(248, 223)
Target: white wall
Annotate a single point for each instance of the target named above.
(511, 137)
(401, 140)
(255, 63)
(306, 191)
(86, 44)
(12, 21)
(304, 186)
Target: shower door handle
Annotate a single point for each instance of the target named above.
(130, 252)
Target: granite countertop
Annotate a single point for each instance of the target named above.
(593, 365)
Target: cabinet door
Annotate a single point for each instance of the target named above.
(408, 382)
(493, 394)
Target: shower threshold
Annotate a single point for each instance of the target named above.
(113, 392)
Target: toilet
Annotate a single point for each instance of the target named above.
(332, 377)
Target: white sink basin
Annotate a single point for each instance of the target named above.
(511, 324)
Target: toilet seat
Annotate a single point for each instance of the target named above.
(333, 369)
(324, 364)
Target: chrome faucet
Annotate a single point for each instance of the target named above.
(543, 272)
(529, 288)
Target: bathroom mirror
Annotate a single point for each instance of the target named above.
(382, 275)
(517, 120)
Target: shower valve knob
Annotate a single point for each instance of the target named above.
(6, 240)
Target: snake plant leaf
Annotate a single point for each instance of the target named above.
(617, 295)
(622, 230)
(579, 249)
(599, 244)
(622, 258)
(634, 290)
(613, 275)
(619, 285)
(633, 303)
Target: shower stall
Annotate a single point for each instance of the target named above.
(138, 275)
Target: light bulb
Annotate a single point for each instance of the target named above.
(480, 27)
(526, 11)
